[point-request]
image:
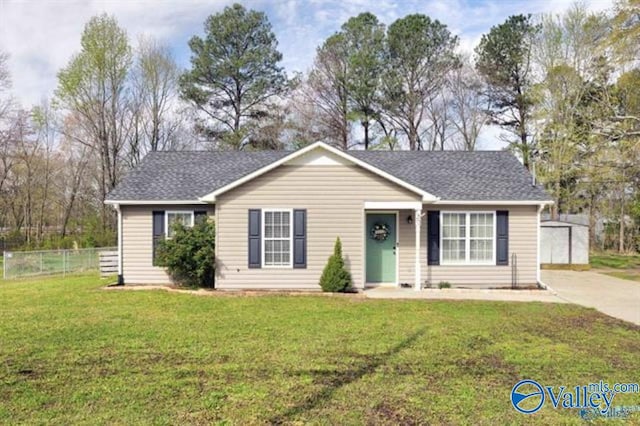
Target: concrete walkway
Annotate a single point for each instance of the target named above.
(613, 296)
(465, 294)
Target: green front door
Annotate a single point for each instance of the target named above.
(381, 248)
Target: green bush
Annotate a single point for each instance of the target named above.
(190, 255)
(335, 277)
(444, 284)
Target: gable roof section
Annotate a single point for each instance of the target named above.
(439, 176)
(211, 197)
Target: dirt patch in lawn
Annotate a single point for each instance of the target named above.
(233, 293)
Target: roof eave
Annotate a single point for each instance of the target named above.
(153, 202)
(497, 202)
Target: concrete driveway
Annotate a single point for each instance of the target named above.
(613, 296)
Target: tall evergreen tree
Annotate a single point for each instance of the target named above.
(503, 58)
(234, 74)
(363, 37)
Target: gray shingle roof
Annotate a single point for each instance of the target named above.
(449, 175)
(460, 175)
(187, 175)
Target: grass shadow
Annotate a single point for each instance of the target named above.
(334, 380)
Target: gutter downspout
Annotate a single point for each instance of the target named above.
(418, 266)
(120, 267)
(538, 233)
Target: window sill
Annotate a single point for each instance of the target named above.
(468, 264)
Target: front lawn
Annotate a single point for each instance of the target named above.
(73, 353)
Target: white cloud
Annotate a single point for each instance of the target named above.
(41, 36)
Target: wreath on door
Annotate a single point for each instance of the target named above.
(380, 232)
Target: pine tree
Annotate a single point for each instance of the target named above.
(335, 276)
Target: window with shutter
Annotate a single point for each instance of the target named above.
(255, 243)
(299, 238)
(276, 238)
(158, 225)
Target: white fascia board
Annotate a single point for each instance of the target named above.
(342, 154)
(393, 205)
(153, 202)
(494, 202)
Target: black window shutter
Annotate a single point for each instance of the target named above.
(255, 243)
(299, 238)
(433, 237)
(158, 232)
(199, 215)
(502, 237)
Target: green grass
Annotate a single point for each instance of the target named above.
(616, 265)
(72, 353)
(615, 261)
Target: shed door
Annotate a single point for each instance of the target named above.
(554, 244)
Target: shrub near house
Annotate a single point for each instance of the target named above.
(189, 255)
(335, 277)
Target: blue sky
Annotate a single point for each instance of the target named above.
(41, 36)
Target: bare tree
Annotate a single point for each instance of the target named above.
(5, 83)
(73, 176)
(155, 89)
(439, 121)
(468, 110)
(6, 136)
(45, 127)
(93, 87)
(326, 90)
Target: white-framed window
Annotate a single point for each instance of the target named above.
(173, 217)
(468, 238)
(454, 237)
(277, 235)
(481, 237)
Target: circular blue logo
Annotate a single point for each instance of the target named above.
(530, 391)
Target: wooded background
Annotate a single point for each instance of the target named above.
(564, 90)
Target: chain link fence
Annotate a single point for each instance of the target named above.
(18, 264)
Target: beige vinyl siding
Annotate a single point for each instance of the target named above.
(523, 239)
(137, 242)
(334, 197)
(407, 247)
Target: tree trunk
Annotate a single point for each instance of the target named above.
(525, 152)
(592, 221)
(555, 208)
(622, 221)
(365, 124)
(413, 138)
